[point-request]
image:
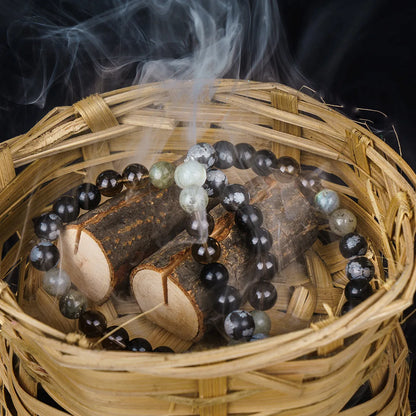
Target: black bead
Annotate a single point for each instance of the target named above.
(353, 244)
(109, 183)
(139, 345)
(226, 299)
(135, 175)
(239, 324)
(194, 226)
(163, 348)
(264, 162)
(67, 208)
(248, 217)
(44, 256)
(244, 155)
(348, 306)
(214, 275)
(88, 196)
(286, 169)
(265, 267)
(262, 296)
(225, 154)
(208, 252)
(358, 290)
(234, 197)
(259, 241)
(117, 340)
(48, 226)
(215, 183)
(360, 268)
(92, 324)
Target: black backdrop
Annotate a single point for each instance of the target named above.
(358, 53)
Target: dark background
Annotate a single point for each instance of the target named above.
(357, 53)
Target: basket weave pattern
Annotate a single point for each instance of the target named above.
(313, 371)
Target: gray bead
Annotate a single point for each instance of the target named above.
(342, 222)
(327, 201)
(56, 282)
(161, 175)
(203, 153)
(193, 199)
(72, 304)
(262, 323)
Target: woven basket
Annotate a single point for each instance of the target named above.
(312, 371)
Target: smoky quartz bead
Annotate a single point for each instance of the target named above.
(67, 208)
(265, 267)
(234, 197)
(215, 183)
(353, 244)
(117, 340)
(88, 196)
(226, 299)
(196, 226)
(163, 348)
(225, 154)
(239, 324)
(135, 175)
(44, 256)
(262, 296)
(72, 304)
(360, 268)
(286, 169)
(248, 217)
(48, 226)
(139, 345)
(208, 252)
(92, 323)
(244, 156)
(259, 241)
(264, 162)
(309, 184)
(358, 290)
(213, 275)
(109, 183)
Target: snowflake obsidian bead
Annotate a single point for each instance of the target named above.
(244, 156)
(48, 226)
(239, 324)
(44, 256)
(225, 154)
(203, 153)
(234, 197)
(360, 268)
(215, 183)
(353, 244)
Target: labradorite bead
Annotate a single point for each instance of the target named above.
(109, 182)
(225, 154)
(248, 217)
(258, 337)
(327, 201)
(44, 256)
(48, 226)
(264, 162)
(213, 275)
(163, 348)
(190, 173)
(262, 322)
(358, 290)
(353, 244)
(92, 323)
(135, 175)
(360, 268)
(117, 340)
(208, 252)
(161, 174)
(203, 153)
(88, 196)
(342, 222)
(244, 156)
(286, 169)
(67, 208)
(262, 296)
(239, 324)
(234, 197)
(193, 199)
(215, 183)
(226, 299)
(56, 282)
(139, 345)
(72, 304)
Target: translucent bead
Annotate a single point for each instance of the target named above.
(208, 252)
(353, 244)
(135, 175)
(248, 217)
(193, 199)
(44, 256)
(56, 282)
(239, 324)
(226, 299)
(203, 153)
(48, 226)
(265, 267)
(163, 348)
(225, 154)
(199, 226)
(244, 155)
(67, 208)
(213, 275)
(88, 196)
(342, 222)
(234, 197)
(190, 173)
(286, 169)
(139, 345)
(92, 323)
(259, 241)
(309, 184)
(358, 290)
(215, 183)
(117, 340)
(109, 183)
(360, 268)
(262, 296)
(264, 162)
(161, 174)
(327, 201)
(262, 322)
(72, 304)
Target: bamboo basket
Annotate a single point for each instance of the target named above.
(312, 371)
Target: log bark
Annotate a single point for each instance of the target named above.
(172, 271)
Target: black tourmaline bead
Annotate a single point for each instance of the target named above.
(214, 275)
(353, 244)
(48, 226)
(208, 252)
(139, 345)
(226, 299)
(358, 290)
(117, 340)
(234, 197)
(244, 155)
(360, 268)
(286, 169)
(259, 241)
(225, 154)
(248, 217)
(109, 183)
(262, 296)
(92, 324)
(67, 208)
(215, 183)
(135, 175)
(44, 256)
(163, 348)
(195, 226)
(88, 196)
(265, 267)
(264, 162)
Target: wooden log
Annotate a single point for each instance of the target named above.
(286, 214)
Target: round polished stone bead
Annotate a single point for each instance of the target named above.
(109, 183)
(56, 282)
(259, 241)
(203, 153)
(286, 169)
(163, 348)
(358, 290)
(92, 323)
(262, 296)
(348, 306)
(117, 340)
(135, 175)
(215, 183)
(265, 267)
(226, 299)
(234, 197)
(190, 173)
(248, 217)
(239, 324)
(327, 201)
(208, 252)
(342, 222)
(139, 345)
(72, 304)
(88, 196)
(193, 199)
(67, 208)
(360, 268)
(199, 225)
(264, 162)
(258, 337)
(162, 175)
(244, 156)
(48, 226)
(353, 244)
(44, 256)
(262, 322)
(225, 154)
(309, 184)
(213, 275)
